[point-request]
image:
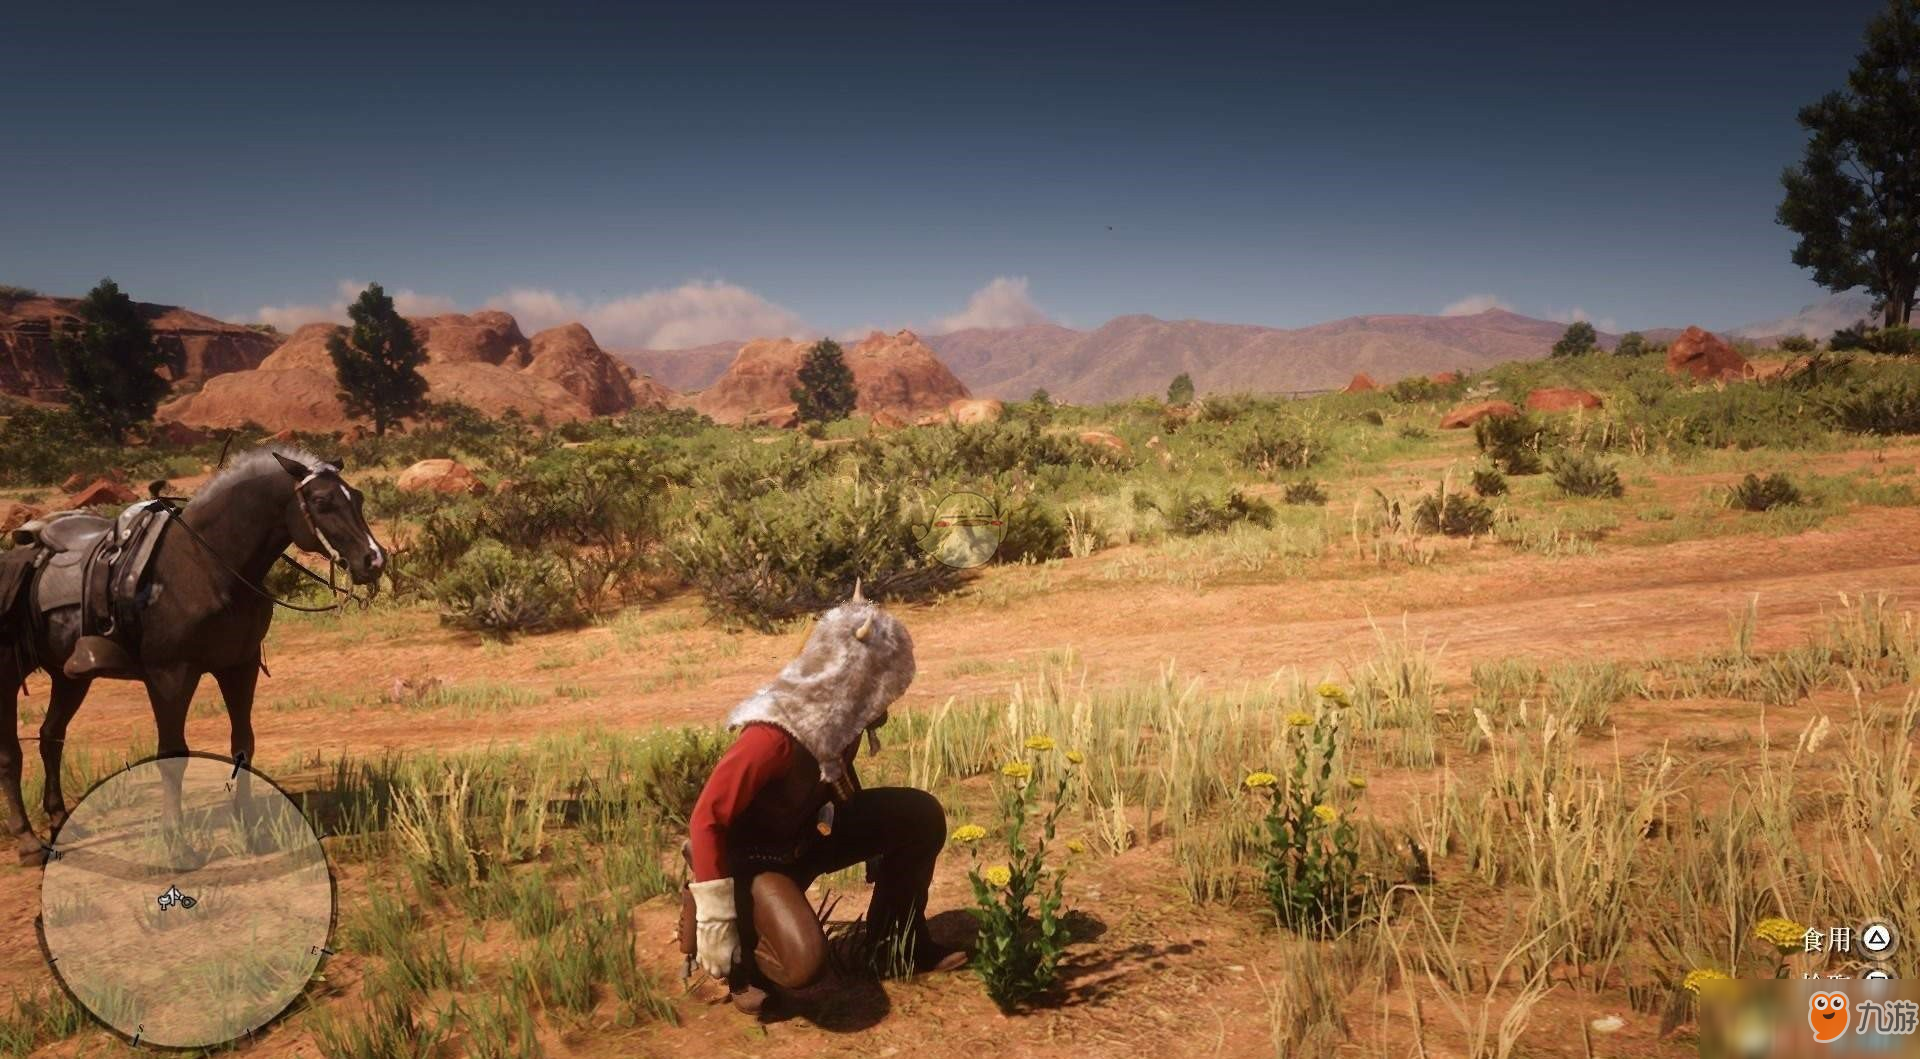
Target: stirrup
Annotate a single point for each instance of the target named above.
(97, 656)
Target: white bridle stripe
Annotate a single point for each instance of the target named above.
(300, 491)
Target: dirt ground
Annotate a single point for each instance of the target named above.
(1151, 973)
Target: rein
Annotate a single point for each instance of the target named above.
(177, 517)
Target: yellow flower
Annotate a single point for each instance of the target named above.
(1074, 845)
(1075, 757)
(997, 876)
(1334, 693)
(1326, 813)
(1299, 719)
(1040, 742)
(1261, 779)
(1358, 783)
(1782, 934)
(967, 834)
(1700, 976)
(1018, 770)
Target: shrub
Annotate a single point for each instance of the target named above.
(1579, 474)
(1035, 532)
(1754, 493)
(1269, 445)
(1305, 491)
(1896, 341)
(1514, 443)
(1797, 344)
(1452, 514)
(1190, 514)
(1417, 388)
(1885, 406)
(494, 592)
(760, 557)
(1632, 344)
(1488, 482)
(1312, 854)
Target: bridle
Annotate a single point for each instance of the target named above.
(334, 559)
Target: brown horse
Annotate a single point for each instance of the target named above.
(207, 612)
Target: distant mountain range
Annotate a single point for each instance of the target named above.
(1133, 355)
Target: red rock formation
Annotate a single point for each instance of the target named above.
(1444, 378)
(892, 373)
(17, 513)
(1361, 383)
(197, 347)
(104, 492)
(447, 477)
(1704, 356)
(975, 410)
(1468, 415)
(486, 337)
(569, 356)
(274, 399)
(1561, 399)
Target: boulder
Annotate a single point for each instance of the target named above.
(1361, 383)
(1468, 414)
(785, 417)
(894, 373)
(1444, 378)
(570, 357)
(447, 477)
(1102, 439)
(1704, 356)
(73, 482)
(884, 420)
(971, 410)
(17, 513)
(104, 492)
(1561, 399)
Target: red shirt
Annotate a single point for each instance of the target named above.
(759, 756)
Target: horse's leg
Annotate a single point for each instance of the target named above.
(170, 690)
(62, 703)
(26, 843)
(236, 687)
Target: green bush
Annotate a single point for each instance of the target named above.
(1270, 445)
(494, 592)
(1191, 513)
(1754, 493)
(1035, 532)
(1452, 514)
(1884, 406)
(1897, 341)
(760, 557)
(1416, 389)
(1797, 344)
(1579, 474)
(1513, 442)
(1489, 483)
(1305, 491)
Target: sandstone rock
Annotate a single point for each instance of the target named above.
(1468, 414)
(569, 356)
(176, 434)
(17, 513)
(894, 373)
(486, 337)
(447, 477)
(104, 492)
(785, 417)
(1704, 356)
(73, 482)
(306, 349)
(646, 393)
(496, 389)
(884, 420)
(970, 410)
(1103, 439)
(1444, 378)
(1561, 399)
(197, 347)
(1361, 383)
(280, 400)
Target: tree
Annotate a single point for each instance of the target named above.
(1180, 390)
(378, 362)
(1854, 199)
(1040, 397)
(1632, 344)
(826, 390)
(1579, 340)
(111, 363)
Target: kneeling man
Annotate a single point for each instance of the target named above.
(784, 806)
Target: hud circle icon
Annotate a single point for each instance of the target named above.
(187, 931)
(1877, 938)
(966, 532)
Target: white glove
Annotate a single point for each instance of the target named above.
(716, 935)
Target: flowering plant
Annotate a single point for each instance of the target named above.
(1018, 904)
(1312, 850)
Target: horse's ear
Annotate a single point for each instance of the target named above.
(292, 466)
(339, 463)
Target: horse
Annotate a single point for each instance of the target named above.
(207, 611)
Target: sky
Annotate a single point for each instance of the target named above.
(688, 173)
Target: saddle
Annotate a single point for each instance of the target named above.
(100, 566)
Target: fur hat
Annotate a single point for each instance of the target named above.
(856, 662)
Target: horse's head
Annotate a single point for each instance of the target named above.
(326, 516)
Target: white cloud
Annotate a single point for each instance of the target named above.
(408, 302)
(1003, 302)
(692, 314)
(1475, 304)
(1604, 323)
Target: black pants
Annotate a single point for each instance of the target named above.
(898, 831)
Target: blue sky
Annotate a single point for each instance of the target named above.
(688, 173)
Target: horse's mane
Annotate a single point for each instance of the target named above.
(251, 464)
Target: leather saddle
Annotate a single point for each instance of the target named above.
(98, 565)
